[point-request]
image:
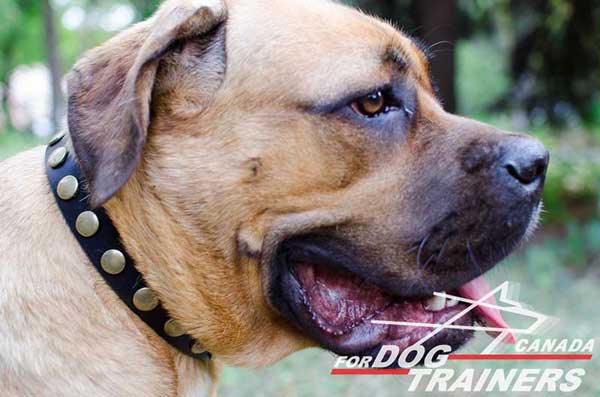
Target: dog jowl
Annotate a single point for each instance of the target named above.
(298, 175)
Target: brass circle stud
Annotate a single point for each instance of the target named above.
(197, 348)
(144, 299)
(87, 224)
(56, 138)
(67, 187)
(113, 262)
(57, 157)
(173, 328)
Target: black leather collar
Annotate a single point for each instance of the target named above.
(104, 249)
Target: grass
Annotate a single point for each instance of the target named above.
(12, 142)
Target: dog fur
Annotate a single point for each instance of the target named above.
(196, 130)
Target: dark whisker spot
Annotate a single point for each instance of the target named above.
(421, 248)
(428, 261)
(441, 252)
(472, 257)
(412, 249)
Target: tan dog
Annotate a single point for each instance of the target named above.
(281, 172)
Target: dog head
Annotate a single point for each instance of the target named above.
(283, 173)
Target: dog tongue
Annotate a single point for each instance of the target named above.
(475, 290)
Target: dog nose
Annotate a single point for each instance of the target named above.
(525, 159)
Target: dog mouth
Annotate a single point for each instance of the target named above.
(352, 299)
(347, 314)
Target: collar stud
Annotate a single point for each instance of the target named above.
(112, 262)
(173, 328)
(87, 224)
(56, 138)
(57, 157)
(67, 187)
(198, 348)
(145, 300)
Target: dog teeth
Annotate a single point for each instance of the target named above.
(451, 302)
(435, 303)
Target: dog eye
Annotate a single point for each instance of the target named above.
(374, 104)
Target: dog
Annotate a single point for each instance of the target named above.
(280, 173)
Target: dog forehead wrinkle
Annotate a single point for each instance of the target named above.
(396, 56)
(350, 60)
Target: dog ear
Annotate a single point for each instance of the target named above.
(110, 91)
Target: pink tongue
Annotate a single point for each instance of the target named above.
(475, 290)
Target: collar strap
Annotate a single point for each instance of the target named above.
(100, 240)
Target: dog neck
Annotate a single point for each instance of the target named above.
(101, 242)
(194, 270)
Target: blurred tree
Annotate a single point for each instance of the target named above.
(438, 21)
(18, 44)
(435, 23)
(552, 48)
(53, 61)
(11, 14)
(145, 8)
(555, 59)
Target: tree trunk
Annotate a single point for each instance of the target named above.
(438, 26)
(53, 62)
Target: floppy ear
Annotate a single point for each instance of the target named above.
(110, 91)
